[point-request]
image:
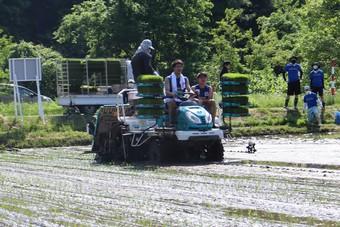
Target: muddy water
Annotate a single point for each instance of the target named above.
(62, 186)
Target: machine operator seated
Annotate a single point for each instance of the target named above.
(176, 86)
(204, 94)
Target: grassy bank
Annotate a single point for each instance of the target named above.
(33, 133)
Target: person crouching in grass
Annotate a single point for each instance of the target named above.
(205, 94)
(311, 103)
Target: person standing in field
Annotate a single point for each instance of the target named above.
(317, 81)
(225, 68)
(141, 60)
(294, 71)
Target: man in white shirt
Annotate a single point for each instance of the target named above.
(176, 85)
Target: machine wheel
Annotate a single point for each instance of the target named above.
(215, 153)
(154, 152)
(158, 151)
(110, 146)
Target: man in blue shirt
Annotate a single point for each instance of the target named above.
(317, 82)
(204, 94)
(311, 103)
(294, 71)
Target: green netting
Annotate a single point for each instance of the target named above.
(241, 89)
(237, 77)
(241, 100)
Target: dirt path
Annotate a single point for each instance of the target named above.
(52, 187)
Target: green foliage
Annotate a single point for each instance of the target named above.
(49, 58)
(309, 30)
(5, 46)
(229, 42)
(106, 28)
(254, 35)
(33, 20)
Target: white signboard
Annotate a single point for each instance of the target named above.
(25, 69)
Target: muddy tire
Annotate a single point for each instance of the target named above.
(158, 151)
(215, 153)
(111, 146)
(154, 152)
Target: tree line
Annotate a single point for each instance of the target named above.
(255, 35)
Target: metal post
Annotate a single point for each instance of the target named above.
(37, 77)
(333, 80)
(106, 72)
(87, 77)
(16, 88)
(11, 65)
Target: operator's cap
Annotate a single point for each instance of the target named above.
(131, 81)
(147, 43)
(202, 74)
(306, 88)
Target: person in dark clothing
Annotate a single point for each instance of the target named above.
(295, 73)
(317, 81)
(141, 61)
(225, 68)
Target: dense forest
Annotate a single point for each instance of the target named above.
(255, 35)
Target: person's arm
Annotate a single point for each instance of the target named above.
(320, 103)
(167, 88)
(211, 93)
(187, 84)
(301, 72)
(284, 76)
(323, 80)
(310, 78)
(194, 90)
(305, 106)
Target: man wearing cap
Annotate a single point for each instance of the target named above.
(311, 103)
(176, 84)
(141, 61)
(295, 73)
(317, 82)
(205, 94)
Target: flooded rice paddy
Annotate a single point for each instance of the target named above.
(280, 185)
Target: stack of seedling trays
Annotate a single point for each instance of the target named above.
(234, 95)
(150, 89)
